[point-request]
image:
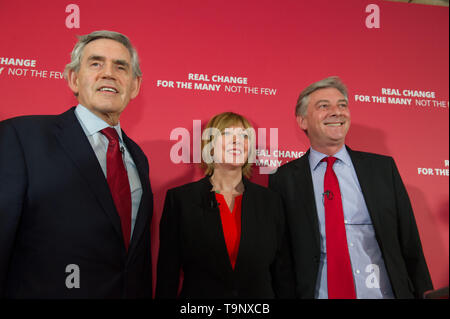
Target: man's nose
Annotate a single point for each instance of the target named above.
(108, 71)
(336, 109)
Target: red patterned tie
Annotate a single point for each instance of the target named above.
(119, 185)
(339, 268)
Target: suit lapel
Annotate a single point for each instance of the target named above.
(76, 145)
(146, 203)
(212, 226)
(305, 191)
(363, 172)
(247, 220)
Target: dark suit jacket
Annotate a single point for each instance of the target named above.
(389, 207)
(56, 210)
(191, 239)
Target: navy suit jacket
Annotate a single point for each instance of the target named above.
(390, 210)
(56, 210)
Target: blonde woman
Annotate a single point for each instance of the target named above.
(224, 233)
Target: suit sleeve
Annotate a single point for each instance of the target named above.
(169, 259)
(13, 185)
(283, 280)
(410, 240)
(272, 183)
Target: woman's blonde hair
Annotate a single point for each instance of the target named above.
(220, 122)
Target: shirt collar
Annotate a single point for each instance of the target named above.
(91, 123)
(315, 157)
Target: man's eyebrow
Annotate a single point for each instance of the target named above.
(327, 101)
(321, 101)
(121, 62)
(96, 58)
(102, 58)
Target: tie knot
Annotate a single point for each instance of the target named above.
(330, 160)
(111, 134)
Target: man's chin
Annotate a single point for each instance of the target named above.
(336, 142)
(337, 136)
(109, 108)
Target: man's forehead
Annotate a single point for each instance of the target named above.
(106, 48)
(326, 94)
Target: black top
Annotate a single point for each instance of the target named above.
(192, 240)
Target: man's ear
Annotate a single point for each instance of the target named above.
(136, 86)
(302, 122)
(72, 80)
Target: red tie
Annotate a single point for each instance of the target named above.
(339, 268)
(119, 185)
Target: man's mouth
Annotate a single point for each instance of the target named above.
(108, 89)
(334, 124)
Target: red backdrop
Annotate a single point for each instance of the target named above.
(278, 45)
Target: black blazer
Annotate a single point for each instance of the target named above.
(56, 210)
(192, 240)
(389, 207)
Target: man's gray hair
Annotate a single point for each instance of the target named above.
(83, 40)
(330, 82)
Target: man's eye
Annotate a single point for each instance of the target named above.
(323, 105)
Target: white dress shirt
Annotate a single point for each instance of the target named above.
(369, 271)
(92, 125)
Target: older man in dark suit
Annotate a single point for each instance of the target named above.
(352, 228)
(75, 196)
